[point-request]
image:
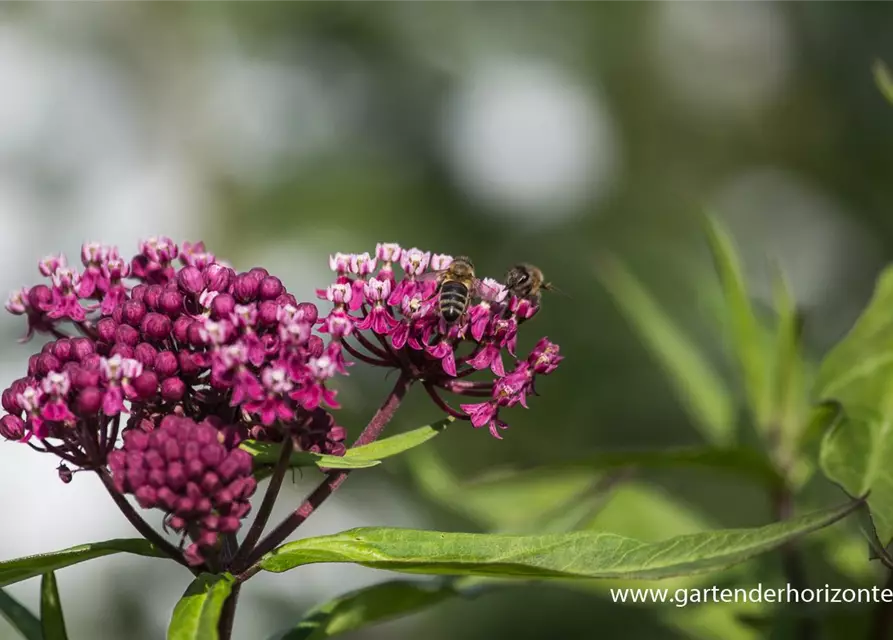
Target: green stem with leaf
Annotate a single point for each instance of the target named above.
(333, 478)
(245, 563)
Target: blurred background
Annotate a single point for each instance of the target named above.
(552, 133)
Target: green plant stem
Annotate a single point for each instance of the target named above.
(332, 481)
(266, 507)
(882, 618)
(228, 614)
(139, 524)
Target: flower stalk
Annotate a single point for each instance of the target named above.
(143, 527)
(333, 478)
(269, 501)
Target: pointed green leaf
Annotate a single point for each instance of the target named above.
(856, 454)
(746, 332)
(51, 618)
(580, 554)
(22, 620)
(12, 571)
(370, 455)
(369, 606)
(267, 453)
(197, 613)
(857, 375)
(701, 390)
(788, 391)
(649, 513)
(822, 417)
(858, 371)
(397, 444)
(883, 79)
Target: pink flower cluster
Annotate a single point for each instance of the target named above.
(195, 339)
(391, 318)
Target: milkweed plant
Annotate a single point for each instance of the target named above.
(191, 390)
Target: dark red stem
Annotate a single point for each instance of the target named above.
(139, 524)
(333, 478)
(792, 563)
(366, 358)
(387, 347)
(443, 404)
(363, 340)
(228, 614)
(266, 507)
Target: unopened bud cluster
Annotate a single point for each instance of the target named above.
(194, 472)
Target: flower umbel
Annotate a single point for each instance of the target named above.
(384, 320)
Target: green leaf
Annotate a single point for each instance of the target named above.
(857, 454)
(857, 451)
(394, 445)
(746, 332)
(580, 554)
(822, 417)
(702, 390)
(51, 618)
(370, 455)
(197, 613)
(12, 571)
(369, 606)
(267, 453)
(789, 393)
(647, 512)
(883, 79)
(22, 620)
(858, 371)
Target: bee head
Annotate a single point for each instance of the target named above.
(519, 276)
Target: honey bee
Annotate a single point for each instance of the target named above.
(456, 286)
(527, 281)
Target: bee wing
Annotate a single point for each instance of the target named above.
(430, 276)
(492, 290)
